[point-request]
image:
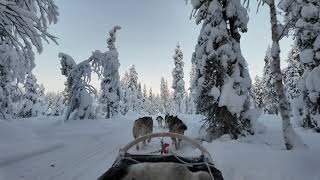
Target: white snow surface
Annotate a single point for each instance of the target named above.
(47, 149)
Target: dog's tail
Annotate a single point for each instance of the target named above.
(182, 127)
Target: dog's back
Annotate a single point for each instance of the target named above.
(142, 126)
(159, 118)
(176, 125)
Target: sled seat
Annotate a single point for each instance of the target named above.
(119, 170)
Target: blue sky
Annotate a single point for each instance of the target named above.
(149, 34)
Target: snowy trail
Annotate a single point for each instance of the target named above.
(84, 149)
(91, 146)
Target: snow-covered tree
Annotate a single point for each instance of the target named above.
(124, 106)
(151, 103)
(140, 98)
(178, 82)
(24, 26)
(55, 104)
(145, 93)
(222, 82)
(292, 75)
(132, 86)
(292, 80)
(303, 16)
(259, 92)
(132, 98)
(31, 106)
(110, 84)
(165, 96)
(78, 90)
(270, 98)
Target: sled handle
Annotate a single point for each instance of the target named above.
(167, 134)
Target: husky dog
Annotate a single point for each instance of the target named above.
(155, 171)
(166, 117)
(142, 127)
(159, 119)
(176, 126)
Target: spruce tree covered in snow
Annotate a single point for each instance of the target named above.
(124, 106)
(165, 96)
(270, 98)
(304, 17)
(222, 80)
(31, 106)
(178, 82)
(110, 84)
(145, 93)
(292, 84)
(141, 105)
(151, 103)
(132, 97)
(293, 75)
(132, 85)
(24, 26)
(259, 92)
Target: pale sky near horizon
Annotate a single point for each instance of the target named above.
(149, 34)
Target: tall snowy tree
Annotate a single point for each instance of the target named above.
(178, 82)
(110, 84)
(151, 103)
(303, 16)
(270, 98)
(124, 107)
(140, 98)
(292, 80)
(133, 90)
(31, 107)
(259, 92)
(222, 80)
(145, 94)
(165, 96)
(24, 26)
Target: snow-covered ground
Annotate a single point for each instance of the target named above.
(46, 149)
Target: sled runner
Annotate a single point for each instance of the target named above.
(192, 165)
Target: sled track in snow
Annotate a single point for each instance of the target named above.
(77, 165)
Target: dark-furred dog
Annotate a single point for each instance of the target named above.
(176, 125)
(160, 120)
(142, 127)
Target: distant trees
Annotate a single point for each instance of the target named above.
(270, 97)
(132, 99)
(178, 82)
(55, 104)
(222, 81)
(259, 88)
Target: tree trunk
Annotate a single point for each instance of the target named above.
(291, 140)
(108, 116)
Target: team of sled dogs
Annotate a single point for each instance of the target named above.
(144, 126)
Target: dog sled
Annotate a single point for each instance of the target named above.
(200, 164)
